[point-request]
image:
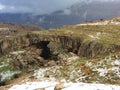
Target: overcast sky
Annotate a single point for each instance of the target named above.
(40, 6)
(36, 6)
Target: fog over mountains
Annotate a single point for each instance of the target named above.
(79, 11)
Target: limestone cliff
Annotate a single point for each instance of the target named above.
(73, 44)
(58, 44)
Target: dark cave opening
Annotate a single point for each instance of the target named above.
(45, 53)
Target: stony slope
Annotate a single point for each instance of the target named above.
(78, 53)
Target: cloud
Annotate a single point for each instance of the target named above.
(2, 7)
(37, 6)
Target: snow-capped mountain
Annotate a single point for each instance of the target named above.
(95, 9)
(86, 10)
(83, 10)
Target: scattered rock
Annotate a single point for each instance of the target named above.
(58, 86)
(111, 72)
(51, 63)
(86, 70)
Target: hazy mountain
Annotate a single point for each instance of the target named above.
(86, 10)
(95, 10)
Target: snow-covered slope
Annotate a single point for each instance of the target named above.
(45, 85)
(105, 70)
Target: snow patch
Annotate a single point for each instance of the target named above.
(86, 86)
(3, 64)
(102, 71)
(95, 23)
(116, 62)
(66, 86)
(40, 72)
(73, 58)
(100, 23)
(8, 74)
(97, 36)
(94, 37)
(18, 52)
(35, 85)
(116, 23)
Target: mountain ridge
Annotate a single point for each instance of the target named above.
(89, 10)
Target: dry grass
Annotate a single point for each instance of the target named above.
(106, 34)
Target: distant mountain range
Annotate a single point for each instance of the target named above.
(86, 10)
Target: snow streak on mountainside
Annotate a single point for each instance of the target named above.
(83, 10)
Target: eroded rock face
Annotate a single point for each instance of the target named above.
(31, 51)
(4, 46)
(55, 44)
(91, 49)
(13, 43)
(76, 45)
(27, 60)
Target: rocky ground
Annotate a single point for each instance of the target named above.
(74, 57)
(70, 71)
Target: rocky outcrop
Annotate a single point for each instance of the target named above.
(73, 44)
(4, 46)
(31, 51)
(55, 44)
(91, 49)
(13, 43)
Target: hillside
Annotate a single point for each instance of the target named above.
(81, 56)
(20, 27)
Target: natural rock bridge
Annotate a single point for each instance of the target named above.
(55, 43)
